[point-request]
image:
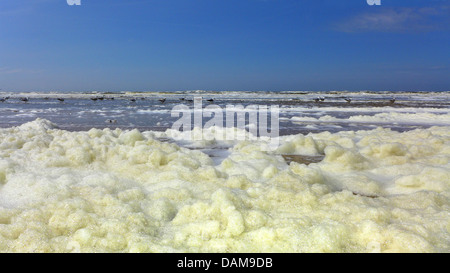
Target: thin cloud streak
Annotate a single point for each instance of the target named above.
(8, 71)
(5, 70)
(398, 20)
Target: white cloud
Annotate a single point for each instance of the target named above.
(398, 20)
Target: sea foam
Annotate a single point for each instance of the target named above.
(129, 191)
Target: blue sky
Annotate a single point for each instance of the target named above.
(148, 45)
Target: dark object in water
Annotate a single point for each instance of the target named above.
(111, 121)
(24, 99)
(162, 100)
(392, 101)
(321, 98)
(133, 100)
(181, 98)
(210, 100)
(60, 99)
(348, 100)
(2, 100)
(316, 99)
(94, 99)
(303, 159)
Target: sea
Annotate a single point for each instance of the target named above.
(300, 111)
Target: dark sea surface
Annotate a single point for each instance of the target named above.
(299, 112)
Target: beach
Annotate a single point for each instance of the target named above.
(106, 172)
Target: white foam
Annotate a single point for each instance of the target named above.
(126, 191)
(384, 118)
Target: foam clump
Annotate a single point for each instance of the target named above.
(38, 124)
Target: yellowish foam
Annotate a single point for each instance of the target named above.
(125, 191)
